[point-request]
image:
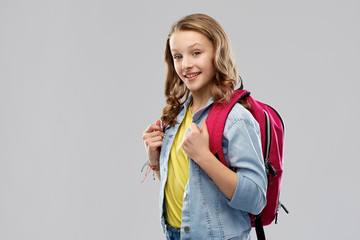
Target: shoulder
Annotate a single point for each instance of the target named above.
(240, 115)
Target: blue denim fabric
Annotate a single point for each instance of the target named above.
(206, 212)
(172, 233)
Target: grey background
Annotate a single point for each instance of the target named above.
(81, 80)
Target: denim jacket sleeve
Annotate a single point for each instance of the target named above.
(243, 152)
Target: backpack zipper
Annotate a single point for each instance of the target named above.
(269, 167)
(277, 210)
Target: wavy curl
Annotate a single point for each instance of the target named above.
(226, 76)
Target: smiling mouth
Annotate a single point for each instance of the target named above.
(192, 75)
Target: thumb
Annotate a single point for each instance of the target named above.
(204, 126)
(194, 127)
(158, 123)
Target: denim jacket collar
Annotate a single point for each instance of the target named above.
(199, 112)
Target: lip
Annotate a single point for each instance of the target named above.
(192, 73)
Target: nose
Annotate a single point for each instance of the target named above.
(187, 63)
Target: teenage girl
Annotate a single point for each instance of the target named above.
(200, 198)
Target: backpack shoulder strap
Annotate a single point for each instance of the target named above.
(216, 123)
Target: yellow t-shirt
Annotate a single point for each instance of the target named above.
(178, 175)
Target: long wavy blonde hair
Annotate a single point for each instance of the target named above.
(226, 76)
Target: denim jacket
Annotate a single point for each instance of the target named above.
(206, 212)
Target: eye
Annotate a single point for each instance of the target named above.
(177, 57)
(197, 53)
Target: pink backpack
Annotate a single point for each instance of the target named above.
(272, 138)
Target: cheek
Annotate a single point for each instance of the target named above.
(211, 67)
(178, 69)
(207, 64)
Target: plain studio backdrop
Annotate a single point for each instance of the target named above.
(81, 80)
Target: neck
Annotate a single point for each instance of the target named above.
(199, 101)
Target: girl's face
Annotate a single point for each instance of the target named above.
(193, 55)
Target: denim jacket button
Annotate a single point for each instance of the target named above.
(186, 229)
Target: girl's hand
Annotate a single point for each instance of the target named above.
(152, 137)
(196, 142)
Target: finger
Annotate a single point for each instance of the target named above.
(204, 126)
(154, 139)
(158, 123)
(184, 145)
(150, 143)
(152, 127)
(155, 145)
(154, 134)
(194, 127)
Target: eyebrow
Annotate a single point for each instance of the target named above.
(191, 46)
